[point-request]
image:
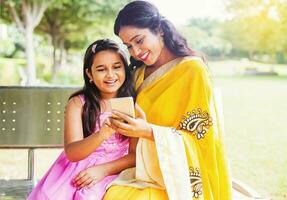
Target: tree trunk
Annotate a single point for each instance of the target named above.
(53, 75)
(61, 54)
(30, 55)
(251, 55)
(57, 57)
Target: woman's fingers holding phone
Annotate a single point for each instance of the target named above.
(119, 124)
(124, 117)
(138, 128)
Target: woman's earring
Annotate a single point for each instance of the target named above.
(91, 81)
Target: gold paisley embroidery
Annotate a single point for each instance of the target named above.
(197, 122)
(195, 181)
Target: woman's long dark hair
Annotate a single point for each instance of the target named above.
(91, 108)
(142, 14)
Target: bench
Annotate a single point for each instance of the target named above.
(31, 118)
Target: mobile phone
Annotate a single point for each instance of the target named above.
(124, 105)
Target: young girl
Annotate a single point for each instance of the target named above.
(94, 153)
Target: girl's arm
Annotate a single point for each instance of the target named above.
(90, 176)
(76, 146)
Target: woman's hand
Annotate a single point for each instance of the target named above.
(90, 176)
(106, 130)
(132, 127)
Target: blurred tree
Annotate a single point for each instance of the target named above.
(7, 48)
(70, 24)
(205, 35)
(26, 14)
(255, 26)
(15, 39)
(281, 54)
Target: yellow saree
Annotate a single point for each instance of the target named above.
(186, 160)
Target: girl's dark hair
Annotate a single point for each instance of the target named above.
(142, 14)
(91, 109)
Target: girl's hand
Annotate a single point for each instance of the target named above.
(106, 130)
(132, 127)
(90, 176)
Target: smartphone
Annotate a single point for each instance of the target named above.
(124, 105)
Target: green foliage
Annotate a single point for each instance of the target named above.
(10, 71)
(7, 48)
(13, 45)
(71, 25)
(280, 58)
(257, 27)
(205, 35)
(67, 25)
(5, 15)
(22, 12)
(77, 21)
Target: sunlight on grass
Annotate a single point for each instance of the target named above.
(255, 114)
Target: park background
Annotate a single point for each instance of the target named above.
(42, 43)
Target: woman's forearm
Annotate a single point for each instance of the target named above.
(148, 134)
(116, 166)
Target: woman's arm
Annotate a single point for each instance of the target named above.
(76, 146)
(92, 175)
(125, 162)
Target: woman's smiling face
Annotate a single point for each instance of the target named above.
(143, 44)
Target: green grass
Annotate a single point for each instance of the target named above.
(255, 114)
(255, 111)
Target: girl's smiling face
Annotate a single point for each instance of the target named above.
(107, 73)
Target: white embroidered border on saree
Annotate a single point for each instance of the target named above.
(187, 156)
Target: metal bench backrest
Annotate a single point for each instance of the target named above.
(32, 117)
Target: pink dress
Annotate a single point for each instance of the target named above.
(57, 184)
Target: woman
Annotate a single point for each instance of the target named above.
(180, 154)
